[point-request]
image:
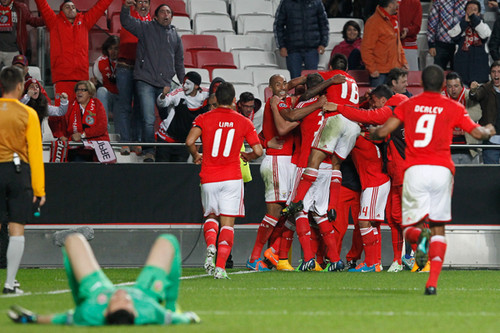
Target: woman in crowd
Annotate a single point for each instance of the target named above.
(39, 101)
(351, 45)
(86, 119)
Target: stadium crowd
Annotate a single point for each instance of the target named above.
(320, 157)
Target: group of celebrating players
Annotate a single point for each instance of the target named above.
(307, 136)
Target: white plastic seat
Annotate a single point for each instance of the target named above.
(182, 24)
(253, 7)
(260, 23)
(210, 7)
(243, 43)
(252, 59)
(210, 24)
(235, 76)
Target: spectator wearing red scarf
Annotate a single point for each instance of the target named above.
(381, 48)
(14, 17)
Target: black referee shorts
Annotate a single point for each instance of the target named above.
(16, 193)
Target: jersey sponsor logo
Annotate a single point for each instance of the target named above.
(428, 109)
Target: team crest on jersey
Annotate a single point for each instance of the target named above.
(102, 299)
(157, 286)
(90, 120)
(282, 105)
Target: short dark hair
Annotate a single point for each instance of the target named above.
(246, 97)
(120, 317)
(395, 74)
(161, 5)
(338, 61)
(454, 76)
(110, 41)
(432, 78)
(348, 24)
(495, 63)
(382, 90)
(225, 93)
(385, 3)
(10, 77)
(313, 80)
(473, 2)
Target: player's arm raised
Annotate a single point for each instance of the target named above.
(282, 126)
(193, 135)
(336, 79)
(300, 113)
(379, 133)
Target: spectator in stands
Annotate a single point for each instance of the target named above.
(494, 42)
(455, 90)
(444, 15)
(381, 48)
(397, 80)
(488, 96)
(301, 32)
(410, 19)
(159, 57)
(21, 62)
(105, 75)
(40, 102)
(188, 102)
(128, 120)
(471, 34)
(15, 16)
(351, 46)
(69, 42)
(86, 120)
(248, 106)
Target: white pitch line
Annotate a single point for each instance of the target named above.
(62, 291)
(346, 313)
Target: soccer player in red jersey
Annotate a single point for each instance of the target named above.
(336, 137)
(429, 119)
(384, 101)
(277, 169)
(222, 132)
(316, 199)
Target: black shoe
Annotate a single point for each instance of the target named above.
(229, 261)
(292, 208)
(350, 264)
(332, 214)
(14, 290)
(430, 291)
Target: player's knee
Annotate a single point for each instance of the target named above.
(172, 240)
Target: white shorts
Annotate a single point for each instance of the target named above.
(372, 203)
(427, 191)
(223, 198)
(337, 135)
(278, 173)
(316, 199)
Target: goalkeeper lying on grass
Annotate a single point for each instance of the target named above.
(99, 302)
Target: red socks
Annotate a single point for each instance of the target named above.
(225, 245)
(210, 231)
(286, 243)
(263, 233)
(412, 234)
(437, 250)
(327, 233)
(335, 183)
(308, 177)
(397, 241)
(304, 234)
(370, 242)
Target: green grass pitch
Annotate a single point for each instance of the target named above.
(467, 301)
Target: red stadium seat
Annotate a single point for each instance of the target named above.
(116, 25)
(213, 59)
(415, 90)
(83, 5)
(414, 78)
(97, 38)
(114, 9)
(101, 24)
(177, 6)
(188, 60)
(362, 77)
(195, 43)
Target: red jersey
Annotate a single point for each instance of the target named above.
(429, 119)
(309, 127)
(346, 93)
(104, 70)
(223, 133)
(269, 130)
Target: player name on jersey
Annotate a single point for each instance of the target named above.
(428, 109)
(226, 124)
